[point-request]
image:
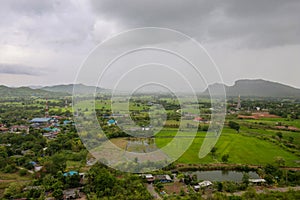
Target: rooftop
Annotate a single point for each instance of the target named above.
(70, 173)
(40, 120)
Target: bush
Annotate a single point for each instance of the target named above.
(23, 172)
(234, 125)
(10, 169)
(225, 158)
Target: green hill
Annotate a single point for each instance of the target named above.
(26, 92)
(80, 88)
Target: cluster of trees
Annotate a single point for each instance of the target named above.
(274, 175)
(234, 125)
(19, 150)
(19, 110)
(104, 183)
(47, 183)
(286, 108)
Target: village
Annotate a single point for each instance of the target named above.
(49, 147)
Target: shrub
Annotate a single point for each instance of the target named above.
(23, 172)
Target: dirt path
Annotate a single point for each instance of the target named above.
(152, 191)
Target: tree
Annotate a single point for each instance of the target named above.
(291, 139)
(220, 186)
(23, 172)
(13, 189)
(270, 179)
(250, 194)
(225, 158)
(159, 186)
(279, 134)
(72, 181)
(100, 181)
(273, 170)
(245, 179)
(234, 126)
(57, 194)
(213, 151)
(48, 182)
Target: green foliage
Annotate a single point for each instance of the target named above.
(245, 179)
(220, 186)
(103, 183)
(13, 190)
(56, 163)
(23, 172)
(279, 134)
(225, 158)
(234, 125)
(213, 151)
(250, 194)
(57, 194)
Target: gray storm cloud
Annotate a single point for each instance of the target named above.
(19, 69)
(243, 36)
(258, 23)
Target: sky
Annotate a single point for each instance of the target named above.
(46, 42)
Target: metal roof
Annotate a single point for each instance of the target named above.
(40, 120)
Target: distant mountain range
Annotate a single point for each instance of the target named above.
(80, 89)
(48, 91)
(25, 92)
(247, 88)
(256, 88)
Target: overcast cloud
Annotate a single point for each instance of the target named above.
(20, 69)
(247, 39)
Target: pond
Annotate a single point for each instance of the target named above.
(219, 175)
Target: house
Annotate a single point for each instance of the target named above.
(258, 181)
(57, 117)
(198, 119)
(196, 187)
(70, 173)
(106, 116)
(51, 130)
(111, 122)
(146, 128)
(149, 177)
(205, 184)
(66, 122)
(48, 129)
(117, 115)
(38, 168)
(33, 163)
(163, 178)
(50, 135)
(3, 129)
(82, 175)
(19, 128)
(150, 103)
(39, 121)
(71, 193)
